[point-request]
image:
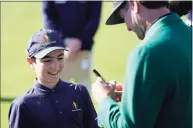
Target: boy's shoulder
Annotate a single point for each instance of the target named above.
(20, 100)
(76, 87)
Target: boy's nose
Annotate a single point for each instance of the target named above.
(55, 64)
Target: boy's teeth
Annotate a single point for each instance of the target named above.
(54, 73)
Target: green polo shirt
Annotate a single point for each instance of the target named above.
(158, 82)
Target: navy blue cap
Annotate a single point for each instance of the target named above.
(43, 42)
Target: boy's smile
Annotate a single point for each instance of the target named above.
(53, 73)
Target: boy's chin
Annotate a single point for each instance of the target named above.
(53, 80)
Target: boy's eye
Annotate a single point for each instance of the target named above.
(46, 60)
(60, 58)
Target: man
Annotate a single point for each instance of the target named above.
(157, 90)
(77, 23)
(51, 103)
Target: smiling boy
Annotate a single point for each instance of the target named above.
(51, 103)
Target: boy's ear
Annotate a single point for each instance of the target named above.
(30, 61)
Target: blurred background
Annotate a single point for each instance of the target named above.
(20, 19)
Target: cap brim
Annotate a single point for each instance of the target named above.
(114, 18)
(44, 52)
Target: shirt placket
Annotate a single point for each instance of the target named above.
(55, 102)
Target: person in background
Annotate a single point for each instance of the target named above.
(77, 23)
(189, 18)
(182, 8)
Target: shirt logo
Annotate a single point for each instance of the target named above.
(75, 107)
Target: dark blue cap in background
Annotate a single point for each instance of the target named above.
(43, 42)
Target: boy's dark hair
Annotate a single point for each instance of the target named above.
(180, 7)
(33, 59)
(154, 4)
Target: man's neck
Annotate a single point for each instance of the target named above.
(155, 14)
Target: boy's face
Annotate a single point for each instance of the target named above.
(49, 68)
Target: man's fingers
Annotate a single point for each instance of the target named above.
(118, 92)
(112, 82)
(100, 80)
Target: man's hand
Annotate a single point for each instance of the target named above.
(101, 90)
(74, 46)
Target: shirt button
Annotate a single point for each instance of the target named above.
(60, 112)
(52, 90)
(56, 101)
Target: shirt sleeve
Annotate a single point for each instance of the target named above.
(16, 117)
(143, 94)
(49, 15)
(94, 13)
(89, 113)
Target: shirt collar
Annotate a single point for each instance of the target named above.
(43, 88)
(165, 20)
(160, 18)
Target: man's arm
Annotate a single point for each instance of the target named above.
(89, 113)
(16, 117)
(94, 13)
(143, 94)
(49, 15)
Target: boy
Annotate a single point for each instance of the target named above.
(51, 103)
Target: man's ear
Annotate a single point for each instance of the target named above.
(134, 5)
(30, 61)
